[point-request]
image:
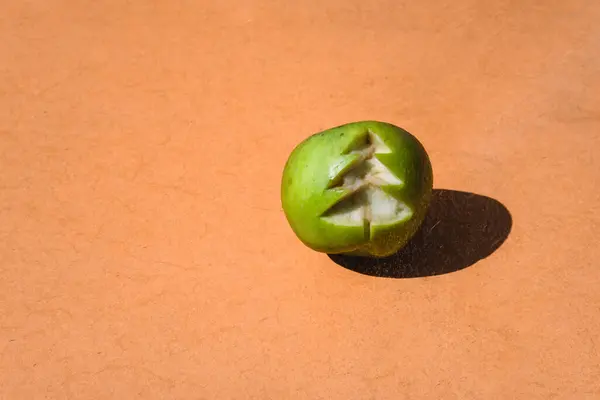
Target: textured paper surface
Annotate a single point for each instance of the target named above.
(143, 250)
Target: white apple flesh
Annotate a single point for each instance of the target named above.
(368, 204)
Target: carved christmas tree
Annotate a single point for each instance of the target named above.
(364, 177)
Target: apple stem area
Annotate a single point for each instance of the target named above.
(367, 203)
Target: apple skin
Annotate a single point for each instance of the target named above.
(306, 191)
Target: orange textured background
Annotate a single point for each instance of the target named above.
(143, 250)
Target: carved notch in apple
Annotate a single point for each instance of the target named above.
(367, 204)
(360, 189)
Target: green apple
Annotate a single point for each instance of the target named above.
(360, 189)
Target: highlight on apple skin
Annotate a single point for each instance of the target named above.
(359, 189)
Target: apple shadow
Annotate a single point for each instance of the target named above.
(460, 229)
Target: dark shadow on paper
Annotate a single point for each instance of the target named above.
(460, 229)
